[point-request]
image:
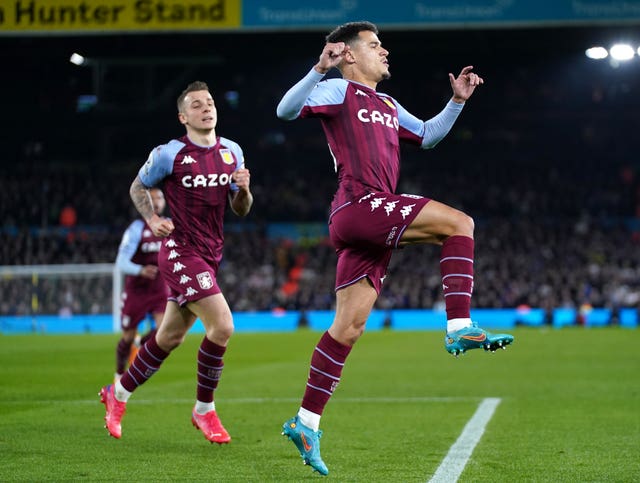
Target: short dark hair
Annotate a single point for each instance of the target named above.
(348, 32)
(194, 86)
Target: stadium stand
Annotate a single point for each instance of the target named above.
(544, 159)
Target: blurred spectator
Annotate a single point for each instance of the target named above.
(68, 216)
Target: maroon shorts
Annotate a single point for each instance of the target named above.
(136, 305)
(189, 275)
(365, 231)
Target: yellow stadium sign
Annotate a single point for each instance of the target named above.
(108, 16)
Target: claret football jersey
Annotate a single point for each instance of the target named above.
(364, 129)
(196, 181)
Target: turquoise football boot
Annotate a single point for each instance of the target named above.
(473, 337)
(308, 443)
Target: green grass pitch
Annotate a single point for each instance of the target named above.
(569, 411)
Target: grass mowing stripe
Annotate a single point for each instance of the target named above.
(453, 464)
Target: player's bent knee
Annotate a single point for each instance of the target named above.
(220, 333)
(129, 335)
(225, 331)
(464, 224)
(355, 332)
(169, 340)
(352, 338)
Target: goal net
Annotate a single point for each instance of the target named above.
(38, 291)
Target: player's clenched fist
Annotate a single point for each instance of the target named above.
(160, 226)
(331, 56)
(242, 178)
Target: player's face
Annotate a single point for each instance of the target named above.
(157, 200)
(199, 111)
(370, 57)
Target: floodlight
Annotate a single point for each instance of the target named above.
(77, 59)
(596, 53)
(621, 52)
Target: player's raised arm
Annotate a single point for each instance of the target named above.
(293, 101)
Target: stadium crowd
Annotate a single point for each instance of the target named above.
(544, 158)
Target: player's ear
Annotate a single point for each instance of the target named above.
(348, 56)
(182, 118)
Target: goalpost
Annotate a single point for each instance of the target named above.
(86, 288)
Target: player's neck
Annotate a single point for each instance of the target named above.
(203, 138)
(360, 79)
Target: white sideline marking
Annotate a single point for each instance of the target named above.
(452, 465)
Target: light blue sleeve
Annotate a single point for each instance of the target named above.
(433, 130)
(159, 164)
(128, 247)
(237, 151)
(294, 100)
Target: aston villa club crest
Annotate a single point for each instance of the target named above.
(227, 157)
(204, 280)
(388, 103)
